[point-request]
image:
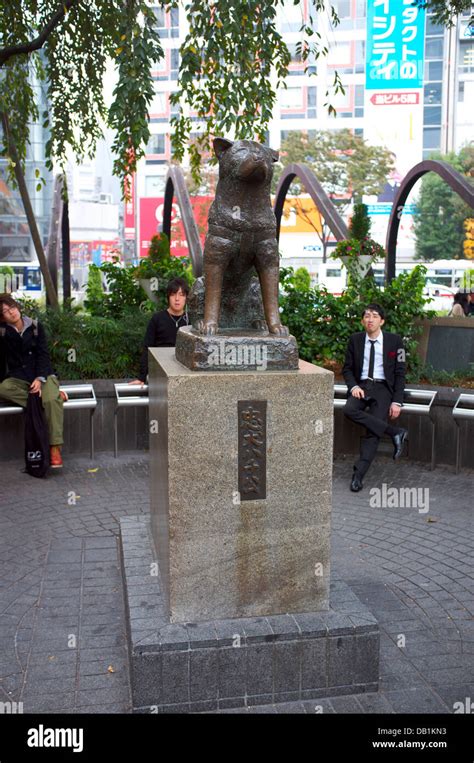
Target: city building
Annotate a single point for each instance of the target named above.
(19, 269)
(408, 85)
(95, 213)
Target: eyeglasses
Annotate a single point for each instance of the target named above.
(9, 310)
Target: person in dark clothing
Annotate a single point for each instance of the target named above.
(163, 326)
(461, 306)
(471, 303)
(25, 368)
(374, 371)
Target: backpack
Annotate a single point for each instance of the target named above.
(36, 438)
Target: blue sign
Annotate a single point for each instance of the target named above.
(386, 209)
(97, 255)
(395, 45)
(33, 279)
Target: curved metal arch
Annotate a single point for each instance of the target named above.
(317, 193)
(175, 185)
(458, 183)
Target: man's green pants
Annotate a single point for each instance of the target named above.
(17, 391)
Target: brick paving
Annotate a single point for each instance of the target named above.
(62, 628)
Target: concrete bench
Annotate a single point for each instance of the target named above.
(80, 396)
(463, 411)
(126, 396)
(415, 401)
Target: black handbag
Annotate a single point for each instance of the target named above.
(36, 437)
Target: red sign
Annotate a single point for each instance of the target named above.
(129, 218)
(151, 223)
(395, 99)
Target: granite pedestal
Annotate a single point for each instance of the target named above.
(220, 555)
(227, 587)
(238, 662)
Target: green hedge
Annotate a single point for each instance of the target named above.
(85, 346)
(323, 323)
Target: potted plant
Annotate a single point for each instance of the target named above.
(359, 252)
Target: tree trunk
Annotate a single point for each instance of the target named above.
(35, 235)
(66, 250)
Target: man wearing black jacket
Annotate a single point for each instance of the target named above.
(164, 325)
(374, 371)
(25, 368)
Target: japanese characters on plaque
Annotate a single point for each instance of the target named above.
(252, 450)
(395, 44)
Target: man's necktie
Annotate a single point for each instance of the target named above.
(372, 358)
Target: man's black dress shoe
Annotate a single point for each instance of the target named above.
(398, 440)
(356, 482)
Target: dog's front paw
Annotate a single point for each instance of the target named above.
(279, 329)
(207, 328)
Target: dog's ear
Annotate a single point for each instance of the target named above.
(221, 145)
(274, 154)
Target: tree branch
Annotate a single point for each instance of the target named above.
(38, 42)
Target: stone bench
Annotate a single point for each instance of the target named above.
(415, 401)
(80, 396)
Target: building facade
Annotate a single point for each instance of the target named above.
(408, 85)
(19, 269)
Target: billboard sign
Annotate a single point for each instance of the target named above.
(151, 222)
(395, 45)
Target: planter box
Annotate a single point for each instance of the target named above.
(447, 344)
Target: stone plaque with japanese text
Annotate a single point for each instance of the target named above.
(252, 449)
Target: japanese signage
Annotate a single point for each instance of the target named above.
(151, 222)
(385, 209)
(395, 45)
(129, 221)
(252, 449)
(394, 99)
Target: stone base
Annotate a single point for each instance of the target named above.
(232, 350)
(207, 666)
(240, 469)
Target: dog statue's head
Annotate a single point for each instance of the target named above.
(245, 160)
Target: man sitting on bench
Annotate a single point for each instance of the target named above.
(25, 367)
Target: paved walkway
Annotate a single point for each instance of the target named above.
(62, 631)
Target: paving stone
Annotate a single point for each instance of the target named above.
(419, 700)
(60, 569)
(345, 705)
(318, 706)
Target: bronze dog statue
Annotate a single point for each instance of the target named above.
(241, 239)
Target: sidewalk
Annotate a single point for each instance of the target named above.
(62, 629)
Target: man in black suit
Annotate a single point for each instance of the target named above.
(374, 371)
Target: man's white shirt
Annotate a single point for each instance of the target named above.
(378, 361)
(379, 373)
